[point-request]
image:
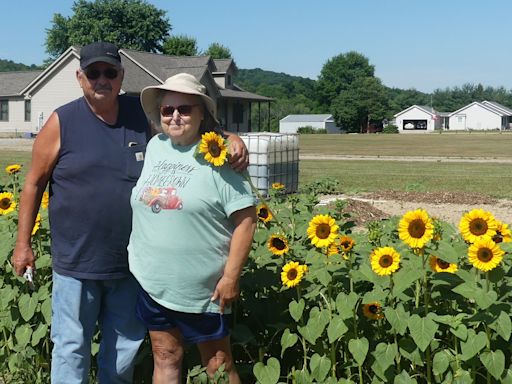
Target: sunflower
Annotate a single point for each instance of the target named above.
(416, 228)
(346, 243)
(45, 200)
(214, 148)
(485, 254)
(37, 224)
(292, 273)
(439, 265)
(476, 224)
(7, 203)
(503, 234)
(322, 230)
(278, 245)
(373, 311)
(13, 168)
(263, 213)
(277, 186)
(341, 246)
(385, 261)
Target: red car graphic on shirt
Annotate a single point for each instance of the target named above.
(161, 198)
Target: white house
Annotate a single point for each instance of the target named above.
(291, 123)
(485, 115)
(28, 98)
(419, 118)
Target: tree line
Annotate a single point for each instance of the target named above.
(346, 87)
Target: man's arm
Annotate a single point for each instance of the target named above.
(238, 153)
(44, 156)
(228, 287)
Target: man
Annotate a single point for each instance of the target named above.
(91, 150)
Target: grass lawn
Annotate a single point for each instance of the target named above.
(364, 176)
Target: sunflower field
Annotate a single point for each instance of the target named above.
(411, 299)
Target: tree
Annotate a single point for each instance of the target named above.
(132, 24)
(339, 73)
(364, 101)
(180, 45)
(218, 51)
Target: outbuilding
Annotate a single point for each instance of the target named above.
(418, 119)
(291, 123)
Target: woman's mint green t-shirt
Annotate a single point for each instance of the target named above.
(181, 229)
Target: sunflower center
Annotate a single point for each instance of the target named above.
(5, 203)
(374, 309)
(278, 244)
(478, 227)
(442, 264)
(485, 255)
(292, 274)
(263, 213)
(417, 228)
(323, 231)
(214, 149)
(385, 261)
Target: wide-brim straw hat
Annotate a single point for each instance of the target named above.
(183, 83)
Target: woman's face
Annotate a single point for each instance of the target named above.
(182, 128)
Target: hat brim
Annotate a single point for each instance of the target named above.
(103, 59)
(150, 103)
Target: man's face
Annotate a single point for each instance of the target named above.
(100, 81)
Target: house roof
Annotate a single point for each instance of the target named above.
(14, 82)
(223, 65)
(498, 107)
(425, 108)
(318, 118)
(239, 93)
(481, 105)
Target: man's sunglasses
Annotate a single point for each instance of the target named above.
(183, 110)
(94, 73)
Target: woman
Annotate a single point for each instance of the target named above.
(193, 225)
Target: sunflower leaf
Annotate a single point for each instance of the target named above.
(485, 299)
(345, 304)
(404, 378)
(423, 330)
(359, 349)
(502, 326)
(320, 366)
(336, 329)
(267, 374)
(494, 362)
(288, 340)
(474, 344)
(441, 362)
(447, 252)
(397, 318)
(385, 355)
(296, 309)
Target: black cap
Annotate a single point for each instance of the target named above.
(99, 51)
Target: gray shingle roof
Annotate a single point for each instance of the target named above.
(13, 82)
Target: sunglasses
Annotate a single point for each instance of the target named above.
(94, 73)
(183, 110)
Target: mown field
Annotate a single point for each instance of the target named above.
(359, 175)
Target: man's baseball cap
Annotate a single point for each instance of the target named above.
(99, 51)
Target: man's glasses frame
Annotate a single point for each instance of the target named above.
(183, 110)
(95, 73)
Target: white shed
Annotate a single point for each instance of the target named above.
(484, 115)
(291, 123)
(418, 118)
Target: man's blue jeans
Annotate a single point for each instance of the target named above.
(77, 306)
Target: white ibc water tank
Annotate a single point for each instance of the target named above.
(273, 158)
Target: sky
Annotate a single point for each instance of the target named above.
(420, 44)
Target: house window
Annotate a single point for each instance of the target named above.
(27, 110)
(4, 110)
(228, 78)
(238, 113)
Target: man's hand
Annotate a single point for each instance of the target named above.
(22, 258)
(226, 291)
(238, 153)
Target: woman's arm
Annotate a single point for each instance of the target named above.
(228, 287)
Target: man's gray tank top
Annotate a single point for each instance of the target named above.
(97, 167)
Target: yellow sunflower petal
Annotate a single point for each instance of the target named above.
(292, 273)
(278, 244)
(485, 254)
(7, 203)
(373, 311)
(416, 228)
(439, 265)
(322, 230)
(264, 214)
(385, 261)
(477, 224)
(214, 148)
(13, 168)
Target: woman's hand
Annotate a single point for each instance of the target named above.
(226, 291)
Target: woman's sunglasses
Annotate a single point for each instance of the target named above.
(94, 73)
(183, 110)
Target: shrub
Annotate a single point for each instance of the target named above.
(310, 130)
(390, 128)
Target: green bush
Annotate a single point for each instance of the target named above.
(310, 130)
(390, 128)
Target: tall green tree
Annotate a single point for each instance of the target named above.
(132, 24)
(180, 45)
(339, 73)
(218, 51)
(365, 101)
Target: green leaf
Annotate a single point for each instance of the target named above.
(39, 333)
(494, 362)
(397, 318)
(404, 378)
(359, 349)
(503, 326)
(296, 309)
(46, 310)
(288, 340)
(422, 330)
(267, 374)
(485, 299)
(27, 306)
(447, 253)
(323, 276)
(320, 366)
(405, 278)
(462, 377)
(441, 362)
(385, 355)
(461, 332)
(336, 329)
(345, 304)
(467, 290)
(23, 334)
(473, 345)
(315, 326)
(507, 378)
